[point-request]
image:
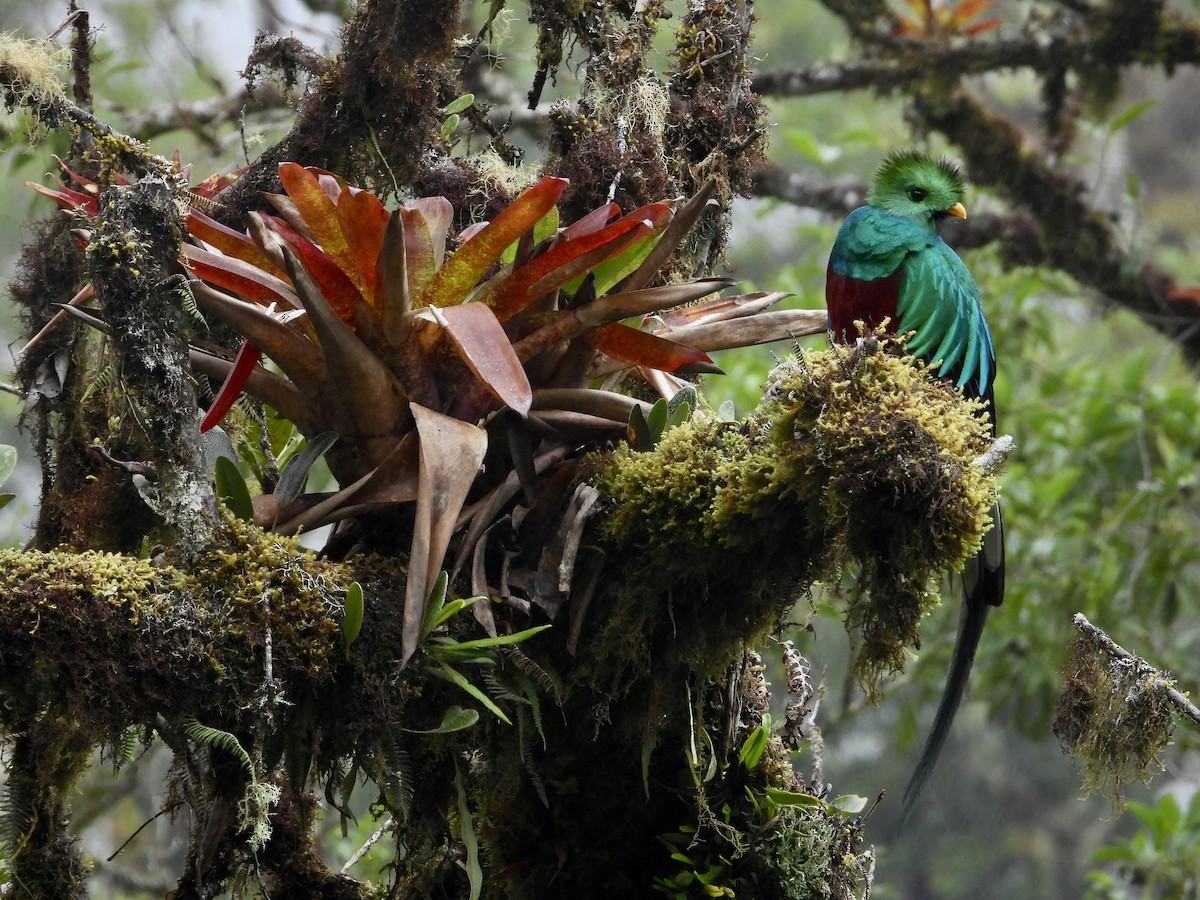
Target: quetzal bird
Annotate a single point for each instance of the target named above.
(890, 264)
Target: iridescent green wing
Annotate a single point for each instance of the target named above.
(940, 303)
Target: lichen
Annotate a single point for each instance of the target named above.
(31, 68)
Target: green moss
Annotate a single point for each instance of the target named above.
(853, 458)
(1114, 716)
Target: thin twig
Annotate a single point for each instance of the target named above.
(366, 848)
(1182, 703)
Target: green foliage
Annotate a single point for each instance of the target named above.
(446, 653)
(664, 415)
(767, 837)
(353, 617)
(210, 738)
(466, 832)
(232, 489)
(8, 463)
(1162, 860)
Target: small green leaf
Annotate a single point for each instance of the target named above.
(231, 488)
(8, 461)
(449, 125)
(6, 499)
(295, 473)
(454, 719)
(850, 804)
(353, 618)
(657, 421)
(433, 612)
(451, 674)
(791, 798)
(451, 609)
(752, 750)
(546, 226)
(466, 831)
(685, 397)
(500, 640)
(1133, 112)
(641, 431)
(727, 412)
(1133, 187)
(458, 104)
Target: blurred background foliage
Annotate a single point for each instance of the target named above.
(1100, 495)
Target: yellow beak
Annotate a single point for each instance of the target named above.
(958, 211)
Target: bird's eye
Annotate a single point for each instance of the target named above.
(916, 195)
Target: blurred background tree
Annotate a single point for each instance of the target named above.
(1076, 122)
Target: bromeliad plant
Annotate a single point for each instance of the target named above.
(425, 361)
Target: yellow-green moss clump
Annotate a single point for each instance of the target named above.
(853, 457)
(191, 643)
(1114, 716)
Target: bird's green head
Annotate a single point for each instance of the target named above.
(920, 188)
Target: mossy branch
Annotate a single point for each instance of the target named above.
(856, 458)
(1116, 713)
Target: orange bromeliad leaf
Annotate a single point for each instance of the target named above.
(231, 243)
(559, 265)
(363, 220)
(426, 222)
(639, 348)
(454, 280)
(66, 198)
(312, 198)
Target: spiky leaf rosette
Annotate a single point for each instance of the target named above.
(425, 360)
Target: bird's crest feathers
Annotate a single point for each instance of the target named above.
(908, 183)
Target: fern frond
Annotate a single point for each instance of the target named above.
(527, 759)
(392, 772)
(16, 821)
(545, 680)
(99, 383)
(535, 710)
(215, 737)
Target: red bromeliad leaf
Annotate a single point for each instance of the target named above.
(593, 221)
(240, 277)
(232, 243)
(454, 280)
(419, 251)
(214, 184)
(480, 340)
(333, 283)
(559, 265)
(613, 270)
(66, 198)
(311, 194)
(439, 214)
(243, 365)
(639, 348)
(363, 220)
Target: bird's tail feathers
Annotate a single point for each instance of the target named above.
(983, 577)
(970, 629)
